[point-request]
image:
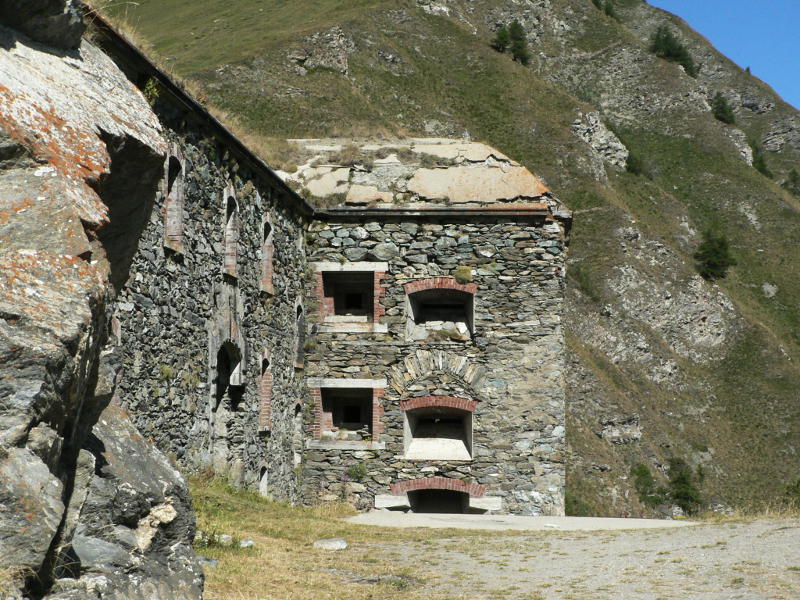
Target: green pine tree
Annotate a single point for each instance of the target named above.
(667, 46)
(759, 160)
(610, 11)
(502, 39)
(519, 43)
(713, 256)
(722, 110)
(683, 485)
(792, 182)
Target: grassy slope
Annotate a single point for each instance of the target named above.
(447, 73)
(283, 563)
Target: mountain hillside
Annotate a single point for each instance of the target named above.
(663, 364)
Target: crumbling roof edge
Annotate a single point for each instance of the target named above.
(530, 211)
(134, 54)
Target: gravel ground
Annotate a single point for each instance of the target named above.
(733, 560)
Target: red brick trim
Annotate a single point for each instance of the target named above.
(438, 483)
(444, 401)
(316, 402)
(439, 283)
(265, 393)
(323, 421)
(377, 414)
(324, 303)
(378, 292)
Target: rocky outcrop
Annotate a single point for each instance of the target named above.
(132, 536)
(81, 157)
(605, 145)
(56, 23)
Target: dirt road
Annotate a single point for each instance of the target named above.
(735, 560)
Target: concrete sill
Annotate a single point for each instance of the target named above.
(344, 445)
(352, 327)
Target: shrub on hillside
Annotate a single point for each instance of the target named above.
(793, 493)
(759, 160)
(502, 39)
(792, 183)
(667, 46)
(713, 256)
(598, 4)
(519, 43)
(650, 494)
(722, 110)
(683, 484)
(608, 8)
(575, 507)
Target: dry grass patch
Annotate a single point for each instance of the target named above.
(283, 562)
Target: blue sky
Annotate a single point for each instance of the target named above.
(761, 34)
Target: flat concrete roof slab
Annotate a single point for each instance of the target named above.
(386, 518)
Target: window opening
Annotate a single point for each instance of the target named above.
(438, 433)
(267, 255)
(440, 314)
(173, 204)
(265, 416)
(301, 338)
(347, 414)
(228, 364)
(352, 295)
(231, 234)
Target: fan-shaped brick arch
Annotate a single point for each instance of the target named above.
(439, 283)
(424, 363)
(475, 490)
(443, 401)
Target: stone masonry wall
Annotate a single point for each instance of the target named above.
(179, 308)
(511, 368)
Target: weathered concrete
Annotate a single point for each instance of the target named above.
(387, 518)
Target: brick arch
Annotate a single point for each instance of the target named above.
(475, 490)
(439, 283)
(442, 401)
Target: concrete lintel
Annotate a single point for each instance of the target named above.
(344, 445)
(353, 327)
(348, 267)
(491, 503)
(340, 382)
(392, 501)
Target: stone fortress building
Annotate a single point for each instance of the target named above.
(401, 348)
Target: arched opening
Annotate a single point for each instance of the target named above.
(297, 434)
(438, 501)
(440, 314)
(299, 354)
(174, 174)
(267, 254)
(231, 241)
(263, 482)
(228, 362)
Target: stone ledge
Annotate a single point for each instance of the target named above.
(353, 327)
(344, 445)
(341, 382)
(349, 267)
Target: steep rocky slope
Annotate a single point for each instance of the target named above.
(662, 363)
(88, 509)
